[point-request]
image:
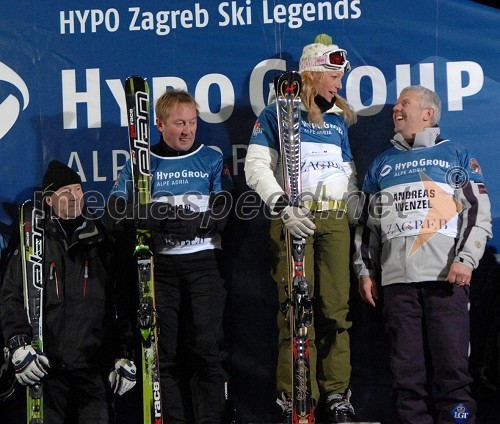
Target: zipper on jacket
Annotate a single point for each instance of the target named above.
(53, 276)
(85, 276)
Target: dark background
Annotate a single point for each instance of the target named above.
(251, 338)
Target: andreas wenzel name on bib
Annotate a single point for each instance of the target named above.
(413, 199)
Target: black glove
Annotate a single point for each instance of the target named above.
(151, 216)
(216, 217)
(187, 225)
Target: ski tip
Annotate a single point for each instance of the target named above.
(136, 83)
(132, 77)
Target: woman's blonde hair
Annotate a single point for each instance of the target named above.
(313, 111)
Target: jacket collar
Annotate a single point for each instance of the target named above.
(427, 138)
(87, 233)
(164, 150)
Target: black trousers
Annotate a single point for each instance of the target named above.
(77, 396)
(429, 331)
(190, 299)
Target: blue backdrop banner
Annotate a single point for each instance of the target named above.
(63, 64)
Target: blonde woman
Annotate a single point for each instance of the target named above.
(328, 176)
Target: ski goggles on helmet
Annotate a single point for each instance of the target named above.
(335, 60)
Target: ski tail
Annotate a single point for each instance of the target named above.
(288, 88)
(32, 245)
(138, 112)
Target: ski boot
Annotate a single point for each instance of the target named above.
(339, 408)
(285, 402)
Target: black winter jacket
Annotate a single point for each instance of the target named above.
(78, 305)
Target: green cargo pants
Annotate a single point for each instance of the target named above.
(327, 259)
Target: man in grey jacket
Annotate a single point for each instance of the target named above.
(425, 223)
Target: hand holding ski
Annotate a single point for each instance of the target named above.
(34, 362)
(298, 226)
(30, 365)
(297, 221)
(137, 99)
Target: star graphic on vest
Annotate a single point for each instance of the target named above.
(444, 208)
